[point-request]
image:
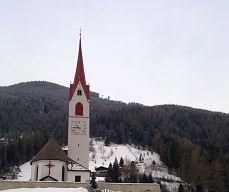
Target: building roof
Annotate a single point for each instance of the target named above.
(51, 151)
(101, 168)
(79, 76)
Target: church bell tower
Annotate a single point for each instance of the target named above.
(78, 119)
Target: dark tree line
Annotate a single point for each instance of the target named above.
(20, 150)
(127, 173)
(191, 142)
(114, 172)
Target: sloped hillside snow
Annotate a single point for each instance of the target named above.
(102, 155)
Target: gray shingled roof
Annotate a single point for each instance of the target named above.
(51, 151)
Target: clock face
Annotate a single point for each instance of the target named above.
(78, 127)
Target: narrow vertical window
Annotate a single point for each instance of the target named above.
(79, 109)
(63, 173)
(37, 172)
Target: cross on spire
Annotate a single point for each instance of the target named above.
(50, 165)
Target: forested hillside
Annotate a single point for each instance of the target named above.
(193, 143)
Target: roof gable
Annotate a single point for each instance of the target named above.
(74, 166)
(48, 178)
(51, 151)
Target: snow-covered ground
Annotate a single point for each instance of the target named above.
(25, 173)
(101, 155)
(46, 190)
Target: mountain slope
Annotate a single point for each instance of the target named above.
(39, 105)
(192, 142)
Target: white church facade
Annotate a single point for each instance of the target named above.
(52, 163)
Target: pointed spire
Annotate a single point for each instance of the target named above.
(79, 75)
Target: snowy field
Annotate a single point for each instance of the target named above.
(101, 155)
(47, 190)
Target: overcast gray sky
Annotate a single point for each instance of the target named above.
(147, 51)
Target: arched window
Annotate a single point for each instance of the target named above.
(79, 92)
(79, 109)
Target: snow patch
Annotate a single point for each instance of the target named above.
(102, 155)
(25, 173)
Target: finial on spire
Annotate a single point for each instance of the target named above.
(80, 31)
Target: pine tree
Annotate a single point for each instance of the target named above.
(219, 180)
(4, 156)
(150, 178)
(93, 181)
(199, 188)
(180, 188)
(121, 162)
(144, 178)
(153, 163)
(109, 173)
(133, 172)
(116, 172)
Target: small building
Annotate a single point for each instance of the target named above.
(101, 171)
(52, 164)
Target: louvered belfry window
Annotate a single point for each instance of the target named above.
(79, 92)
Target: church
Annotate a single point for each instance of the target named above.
(51, 163)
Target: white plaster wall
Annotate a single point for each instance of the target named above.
(85, 176)
(33, 173)
(43, 171)
(78, 145)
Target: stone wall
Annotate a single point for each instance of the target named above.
(123, 187)
(30, 184)
(130, 187)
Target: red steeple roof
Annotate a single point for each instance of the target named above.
(79, 76)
